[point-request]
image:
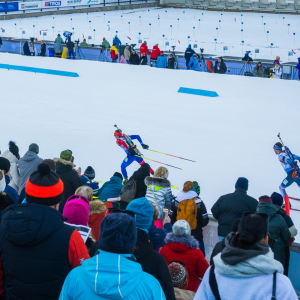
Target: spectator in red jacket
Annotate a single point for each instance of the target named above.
(114, 53)
(144, 49)
(210, 65)
(180, 245)
(155, 52)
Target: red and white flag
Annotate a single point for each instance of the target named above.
(129, 37)
(178, 41)
(158, 15)
(293, 51)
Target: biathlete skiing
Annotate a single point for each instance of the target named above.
(133, 154)
(287, 160)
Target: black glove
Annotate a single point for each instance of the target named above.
(145, 146)
(131, 152)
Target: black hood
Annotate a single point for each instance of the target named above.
(29, 224)
(142, 172)
(63, 167)
(143, 246)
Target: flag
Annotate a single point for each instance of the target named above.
(178, 41)
(234, 19)
(293, 51)
(129, 37)
(158, 15)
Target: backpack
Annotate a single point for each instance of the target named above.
(128, 192)
(187, 210)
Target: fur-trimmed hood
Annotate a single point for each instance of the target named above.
(187, 240)
(97, 207)
(64, 162)
(157, 181)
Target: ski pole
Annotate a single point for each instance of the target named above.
(174, 187)
(172, 155)
(295, 198)
(100, 181)
(295, 209)
(159, 162)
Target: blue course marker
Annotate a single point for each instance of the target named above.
(38, 70)
(197, 92)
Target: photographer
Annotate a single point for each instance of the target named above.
(189, 52)
(247, 57)
(258, 70)
(220, 66)
(171, 61)
(70, 46)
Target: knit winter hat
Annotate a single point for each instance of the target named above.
(265, 199)
(13, 148)
(4, 164)
(277, 199)
(242, 183)
(181, 227)
(66, 155)
(77, 210)
(2, 182)
(89, 173)
(34, 148)
(210, 58)
(179, 274)
(118, 234)
(143, 211)
(196, 187)
(117, 174)
(44, 187)
(51, 163)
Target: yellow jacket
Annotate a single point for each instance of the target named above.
(115, 50)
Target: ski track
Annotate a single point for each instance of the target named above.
(228, 34)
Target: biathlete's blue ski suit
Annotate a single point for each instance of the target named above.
(286, 164)
(129, 159)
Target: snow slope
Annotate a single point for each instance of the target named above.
(230, 136)
(228, 34)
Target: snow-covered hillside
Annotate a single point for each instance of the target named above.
(230, 136)
(229, 32)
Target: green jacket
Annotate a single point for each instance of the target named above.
(106, 44)
(84, 44)
(278, 230)
(59, 39)
(258, 72)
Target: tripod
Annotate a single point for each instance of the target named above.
(78, 52)
(246, 69)
(102, 56)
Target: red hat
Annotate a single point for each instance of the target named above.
(265, 199)
(103, 39)
(118, 133)
(84, 40)
(161, 52)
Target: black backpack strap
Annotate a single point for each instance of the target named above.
(213, 283)
(274, 287)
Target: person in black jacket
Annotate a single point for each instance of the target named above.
(230, 207)
(70, 46)
(140, 176)
(134, 58)
(26, 49)
(151, 261)
(43, 48)
(171, 62)
(220, 66)
(189, 52)
(5, 201)
(70, 178)
(202, 216)
(144, 60)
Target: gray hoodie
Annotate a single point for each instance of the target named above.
(27, 165)
(58, 47)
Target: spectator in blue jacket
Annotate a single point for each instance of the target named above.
(5, 168)
(157, 235)
(113, 273)
(162, 61)
(298, 67)
(117, 42)
(111, 188)
(193, 62)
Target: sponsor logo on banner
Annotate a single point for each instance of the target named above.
(93, 1)
(13, 6)
(30, 5)
(52, 3)
(73, 2)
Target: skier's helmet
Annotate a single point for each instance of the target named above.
(118, 133)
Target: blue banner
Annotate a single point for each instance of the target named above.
(11, 6)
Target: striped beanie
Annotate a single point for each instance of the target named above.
(179, 274)
(44, 187)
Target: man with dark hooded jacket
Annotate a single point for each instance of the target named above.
(230, 207)
(189, 52)
(70, 178)
(37, 249)
(134, 59)
(151, 261)
(220, 66)
(111, 188)
(140, 176)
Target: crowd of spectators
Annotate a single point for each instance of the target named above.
(62, 236)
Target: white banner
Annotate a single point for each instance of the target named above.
(91, 2)
(30, 5)
(73, 2)
(51, 4)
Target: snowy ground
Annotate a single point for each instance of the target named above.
(228, 34)
(230, 136)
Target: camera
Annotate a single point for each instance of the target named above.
(201, 50)
(133, 45)
(173, 47)
(77, 42)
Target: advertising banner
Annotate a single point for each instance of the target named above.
(73, 2)
(12, 6)
(91, 2)
(30, 5)
(51, 4)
